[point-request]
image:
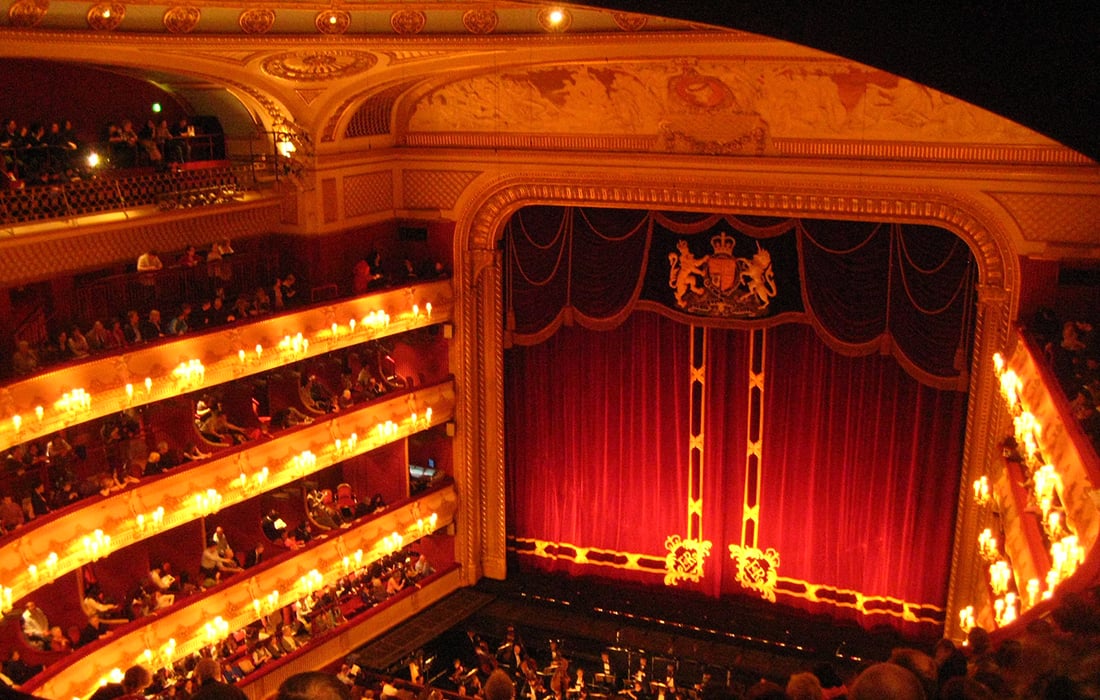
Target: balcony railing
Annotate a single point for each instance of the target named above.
(176, 188)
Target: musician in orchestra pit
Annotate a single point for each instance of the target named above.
(559, 682)
(637, 691)
(641, 673)
(609, 670)
(579, 689)
(670, 679)
(514, 658)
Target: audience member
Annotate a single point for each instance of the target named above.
(211, 685)
(36, 626)
(149, 261)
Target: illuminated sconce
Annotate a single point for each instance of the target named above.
(129, 393)
(5, 600)
(428, 309)
(208, 502)
(1000, 574)
(93, 157)
(148, 386)
(190, 374)
(259, 352)
(351, 325)
(167, 653)
(17, 422)
(966, 619)
(39, 412)
(987, 546)
(981, 491)
(72, 403)
(416, 311)
(216, 630)
(32, 571)
(51, 565)
(302, 464)
(266, 605)
(1004, 609)
(311, 581)
(294, 346)
(285, 146)
(393, 542)
(97, 545)
(426, 526)
(1032, 592)
(998, 364)
(1011, 388)
(353, 561)
(152, 522)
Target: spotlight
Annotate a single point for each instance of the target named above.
(93, 159)
(556, 16)
(156, 108)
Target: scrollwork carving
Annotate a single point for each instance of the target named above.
(628, 21)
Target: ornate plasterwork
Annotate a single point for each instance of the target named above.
(762, 99)
(555, 19)
(257, 20)
(182, 19)
(434, 189)
(332, 21)
(1072, 219)
(27, 13)
(629, 22)
(313, 66)
(408, 21)
(482, 20)
(106, 16)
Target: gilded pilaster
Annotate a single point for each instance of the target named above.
(984, 430)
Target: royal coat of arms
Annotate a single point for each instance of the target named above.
(720, 284)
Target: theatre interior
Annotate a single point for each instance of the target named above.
(340, 335)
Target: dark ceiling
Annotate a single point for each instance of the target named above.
(1035, 62)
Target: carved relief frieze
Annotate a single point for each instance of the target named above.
(723, 107)
(256, 20)
(1070, 219)
(182, 19)
(313, 66)
(408, 21)
(482, 20)
(106, 16)
(27, 13)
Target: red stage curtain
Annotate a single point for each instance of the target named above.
(597, 436)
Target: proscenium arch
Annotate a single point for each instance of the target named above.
(480, 322)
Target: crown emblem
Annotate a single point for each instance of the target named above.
(723, 244)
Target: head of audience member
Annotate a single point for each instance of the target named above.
(499, 686)
(207, 670)
(886, 681)
(313, 685)
(136, 679)
(804, 686)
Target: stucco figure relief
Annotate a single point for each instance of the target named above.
(760, 100)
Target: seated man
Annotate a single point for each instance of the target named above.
(211, 562)
(273, 526)
(36, 627)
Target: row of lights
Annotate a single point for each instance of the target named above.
(209, 501)
(216, 630)
(1066, 553)
(75, 405)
